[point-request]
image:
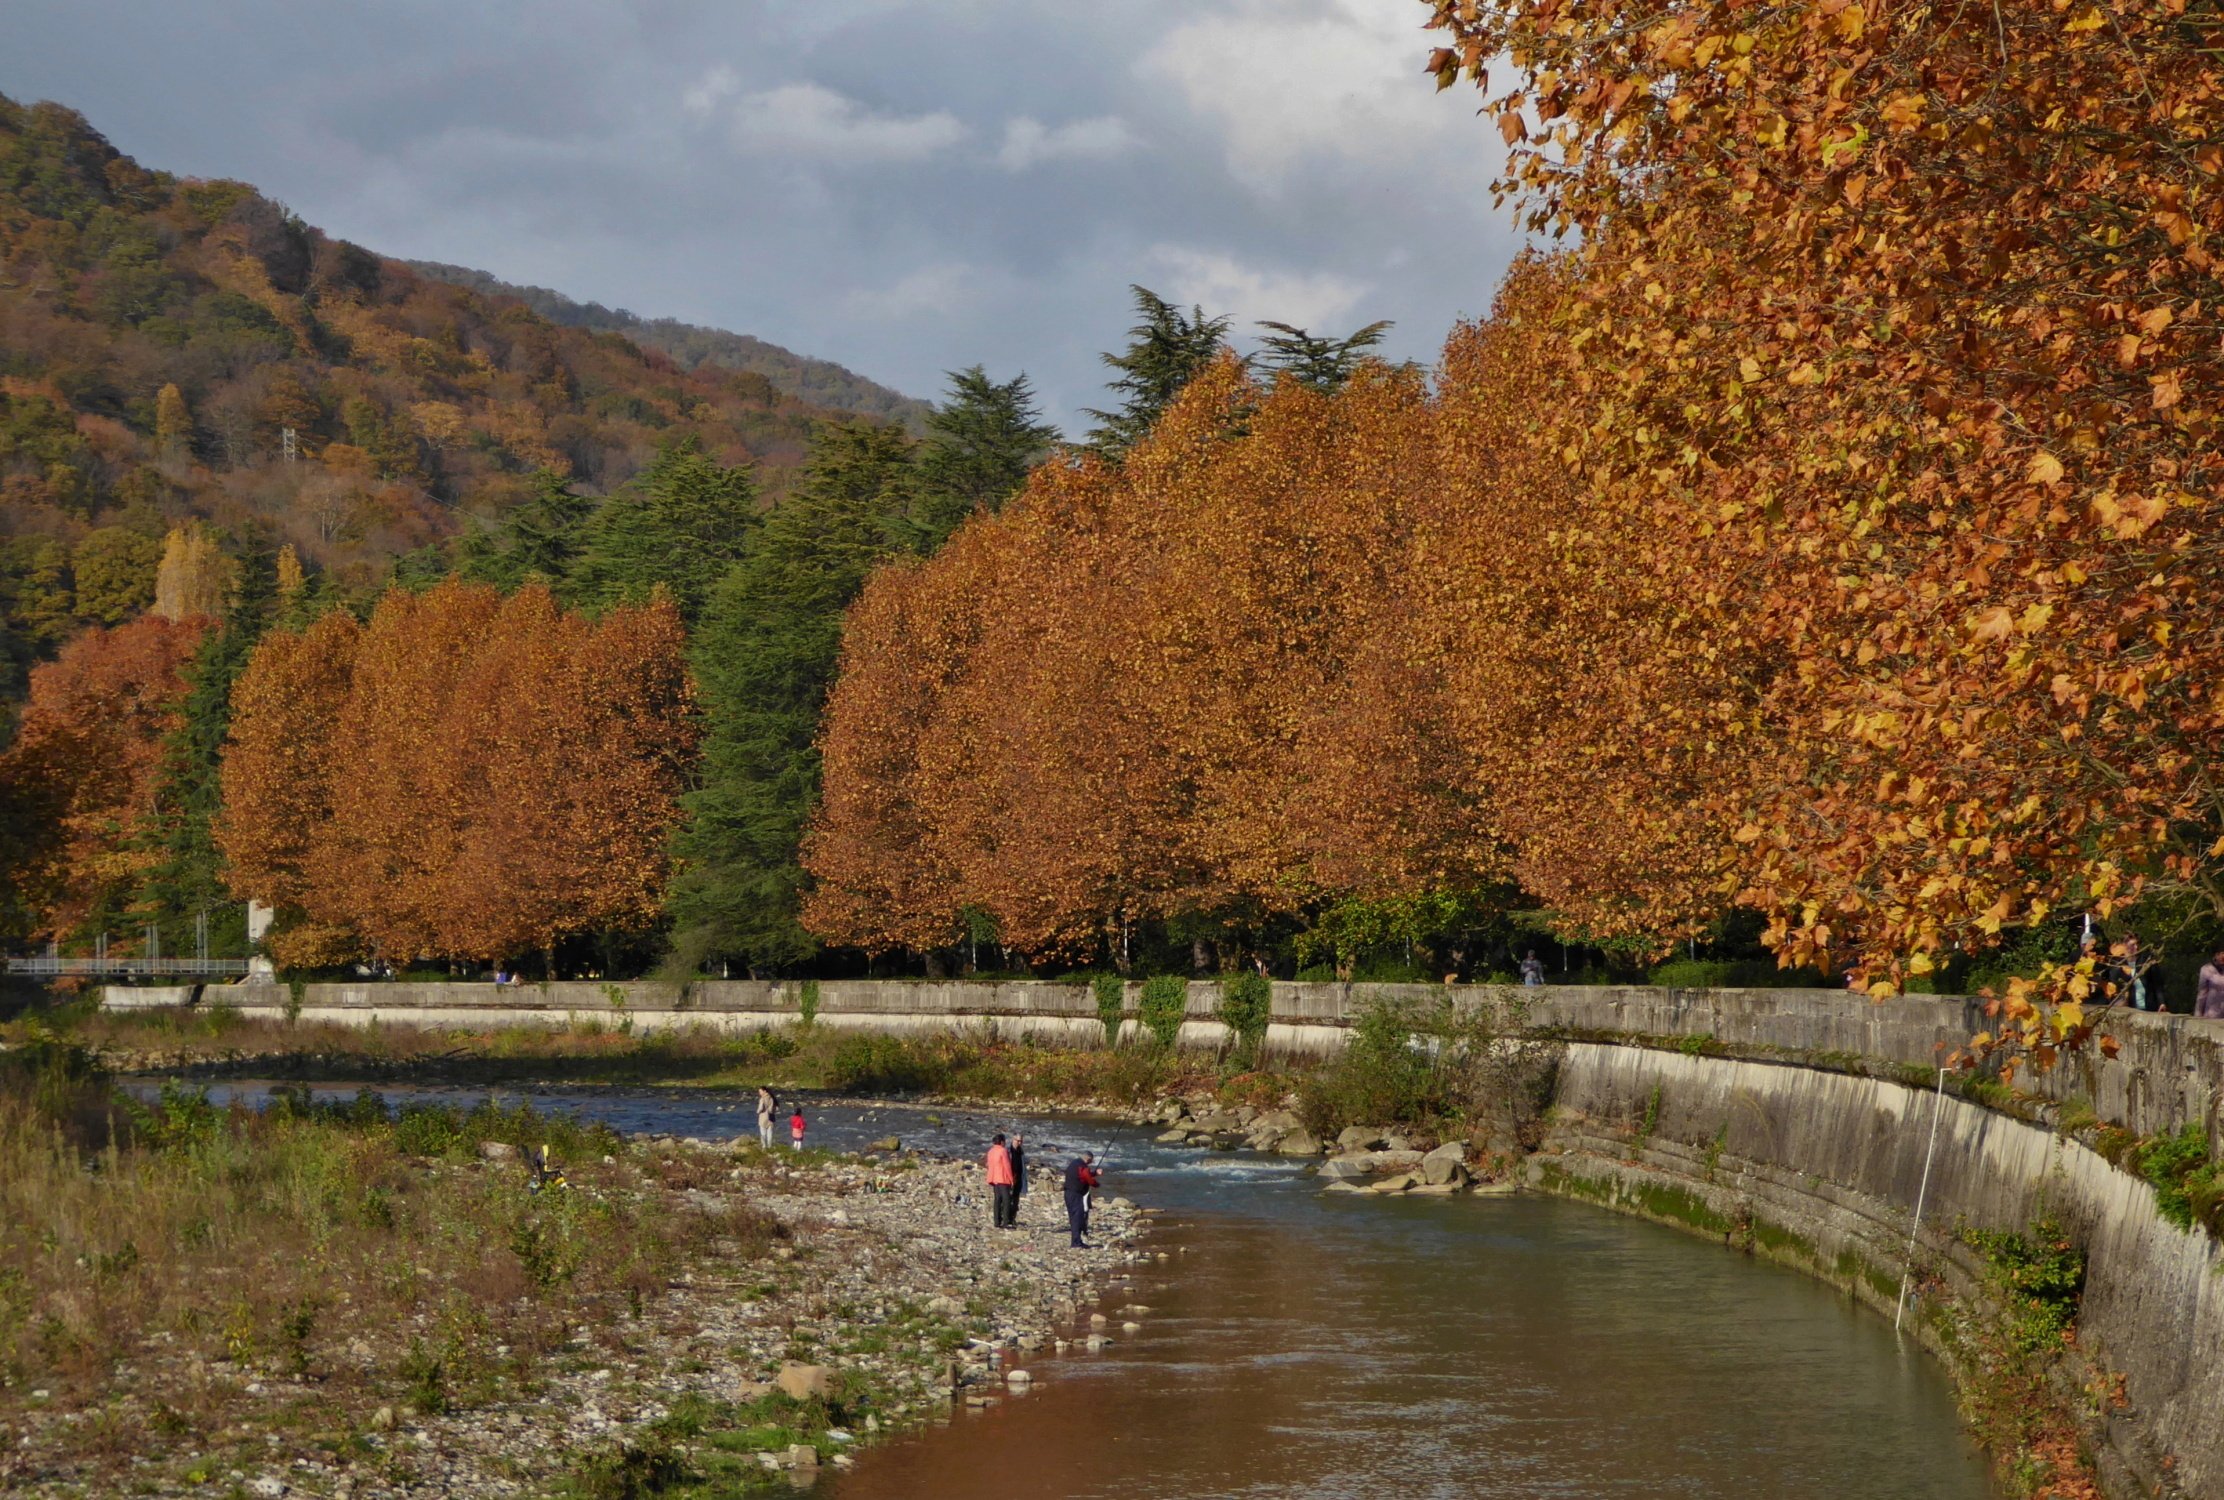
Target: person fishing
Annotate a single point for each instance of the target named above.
(999, 1164)
(1019, 1175)
(1081, 1180)
(767, 1107)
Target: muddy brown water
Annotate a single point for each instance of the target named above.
(1331, 1345)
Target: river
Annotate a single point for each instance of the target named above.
(1333, 1345)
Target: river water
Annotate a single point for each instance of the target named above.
(1331, 1345)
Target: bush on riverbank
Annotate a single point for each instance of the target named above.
(1438, 1065)
(156, 1260)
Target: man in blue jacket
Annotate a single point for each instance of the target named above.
(1081, 1180)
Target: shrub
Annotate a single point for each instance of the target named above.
(1434, 1062)
(810, 1001)
(885, 1065)
(1165, 1003)
(1111, 993)
(1246, 1005)
(2185, 1180)
(2040, 1275)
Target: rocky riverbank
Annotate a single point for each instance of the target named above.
(1362, 1158)
(881, 1301)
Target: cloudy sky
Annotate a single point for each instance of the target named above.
(906, 186)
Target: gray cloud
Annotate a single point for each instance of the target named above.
(907, 186)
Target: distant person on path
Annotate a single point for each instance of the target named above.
(2208, 999)
(1081, 1180)
(767, 1107)
(1532, 969)
(2135, 966)
(795, 1128)
(1019, 1174)
(999, 1163)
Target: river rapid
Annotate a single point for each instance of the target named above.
(1337, 1345)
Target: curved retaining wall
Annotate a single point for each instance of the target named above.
(1822, 1170)
(1792, 1122)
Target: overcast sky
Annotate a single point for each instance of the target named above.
(906, 186)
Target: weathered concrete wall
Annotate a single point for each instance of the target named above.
(2168, 1070)
(1822, 1170)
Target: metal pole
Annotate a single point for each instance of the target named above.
(1938, 1106)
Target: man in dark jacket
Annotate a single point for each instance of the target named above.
(1019, 1177)
(1081, 1180)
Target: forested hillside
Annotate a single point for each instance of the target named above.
(819, 381)
(160, 337)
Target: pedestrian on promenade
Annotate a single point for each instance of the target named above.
(2208, 999)
(1532, 969)
(795, 1128)
(1019, 1175)
(1081, 1180)
(2135, 965)
(999, 1166)
(767, 1108)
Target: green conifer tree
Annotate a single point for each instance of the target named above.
(1322, 363)
(1164, 351)
(681, 523)
(981, 443)
(764, 658)
(186, 878)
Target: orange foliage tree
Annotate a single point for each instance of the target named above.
(82, 768)
(465, 776)
(1902, 325)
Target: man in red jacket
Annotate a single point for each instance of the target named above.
(1000, 1181)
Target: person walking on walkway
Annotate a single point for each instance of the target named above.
(767, 1107)
(999, 1183)
(1019, 1175)
(1532, 970)
(2208, 1000)
(1081, 1180)
(795, 1129)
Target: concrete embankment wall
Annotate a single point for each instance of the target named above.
(2168, 1069)
(1822, 1170)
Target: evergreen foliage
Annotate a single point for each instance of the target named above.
(982, 442)
(185, 878)
(679, 526)
(1165, 349)
(1322, 363)
(764, 658)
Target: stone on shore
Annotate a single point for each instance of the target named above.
(1360, 1138)
(804, 1382)
(1346, 1168)
(889, 1143)
(1299, 1142)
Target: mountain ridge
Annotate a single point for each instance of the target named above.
(822, 382)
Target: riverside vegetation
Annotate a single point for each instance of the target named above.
(354, 1299)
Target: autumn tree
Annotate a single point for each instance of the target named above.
(279, 767)
(466, 776)
(194, 576)
(85, 761)
(1901, 336)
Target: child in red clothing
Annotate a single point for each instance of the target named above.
(795, 1128)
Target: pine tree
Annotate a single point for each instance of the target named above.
(764, 659)
(1322, 363)
(1164, 350)
(539, 538)
(681, 523)
(981, 444)
(186, 876)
